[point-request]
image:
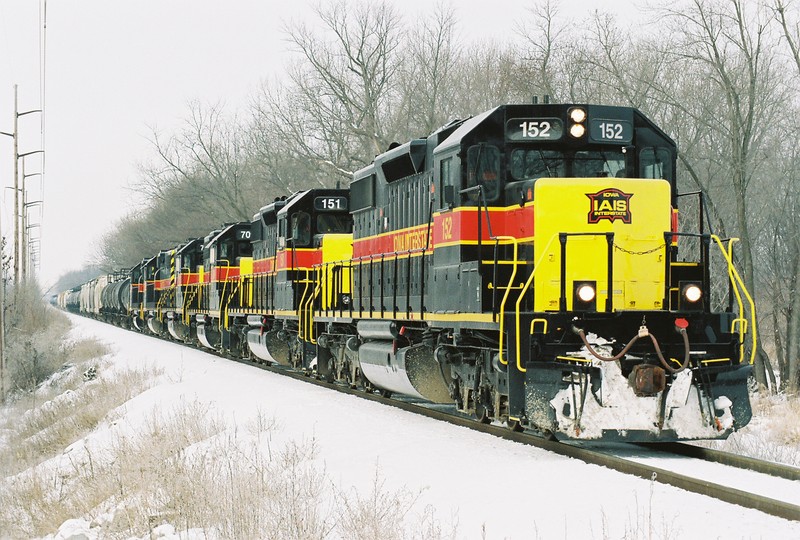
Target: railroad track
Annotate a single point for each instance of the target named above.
(603, 455)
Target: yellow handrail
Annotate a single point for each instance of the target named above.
(310, 309)
(737, 282)
(505, 294)
(525, 288)
(222, 313)
(301, 323)
(187, 299)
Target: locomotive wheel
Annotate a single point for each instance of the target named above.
(386, 393)
(482, 414)
(514, 425)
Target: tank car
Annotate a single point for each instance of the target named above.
(115, 298)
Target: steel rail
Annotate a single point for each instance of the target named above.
(770, 468)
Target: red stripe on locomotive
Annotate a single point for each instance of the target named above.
(188, 279)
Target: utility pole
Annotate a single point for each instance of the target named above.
(3, 278)
(23, 253)
(16, 188)
(24, 267)
(20, 251)
(16, 254)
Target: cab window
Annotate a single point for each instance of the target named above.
(599, 164)
(528, 164)
(655, 163)
(244, 249)
(301, 229)
(334, 223)
(483, 169)
(446, 183)
(225, 253)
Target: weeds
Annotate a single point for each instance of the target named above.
(186, 468)
(34, 338)
(772, 435)
(380, 515)
(65, 418)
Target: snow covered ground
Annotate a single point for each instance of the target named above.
(471, 484)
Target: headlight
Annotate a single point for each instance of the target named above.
(692, 293)
(577, 130)
(586, 293)
(577, 114)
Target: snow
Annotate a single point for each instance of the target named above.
(481, 486)
(623, 410)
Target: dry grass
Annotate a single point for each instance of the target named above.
(643, 521)
(772, 435)
(36, 434)
(34, 338)
(780, 414)
(187, 468)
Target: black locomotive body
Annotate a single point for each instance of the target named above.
(524, 265)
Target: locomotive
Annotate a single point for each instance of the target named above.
(524, 265)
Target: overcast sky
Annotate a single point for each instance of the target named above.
(118, 69)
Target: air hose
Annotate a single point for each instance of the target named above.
(643, 332)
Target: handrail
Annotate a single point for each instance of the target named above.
(522, 295)
(739, 282)
(310, 310)
(188, 297)
(374, 258)
(302, 330)
(514, 241)
(741, 322)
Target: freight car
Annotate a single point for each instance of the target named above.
(525, 265)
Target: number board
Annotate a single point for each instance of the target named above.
(617, 131)
(534, 129)
(330, 204)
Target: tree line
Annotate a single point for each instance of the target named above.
(720, 76)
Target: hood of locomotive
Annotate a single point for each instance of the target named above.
(587, 229)
(580, 213)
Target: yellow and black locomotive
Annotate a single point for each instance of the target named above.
(525, 265)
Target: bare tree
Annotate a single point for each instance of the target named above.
(206, 162)
(730, 46)
(785, 252)
(791, 30)
(545, 50)
(487, 76)
(340, 99)
(426, 75)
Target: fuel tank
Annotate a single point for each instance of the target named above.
(412, 370)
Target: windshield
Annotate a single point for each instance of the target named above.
(528, 164)
(525, 164)
(334, 223)
(598, 164)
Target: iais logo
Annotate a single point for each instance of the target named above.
(610, 204)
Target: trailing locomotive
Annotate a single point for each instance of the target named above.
(524, 265)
